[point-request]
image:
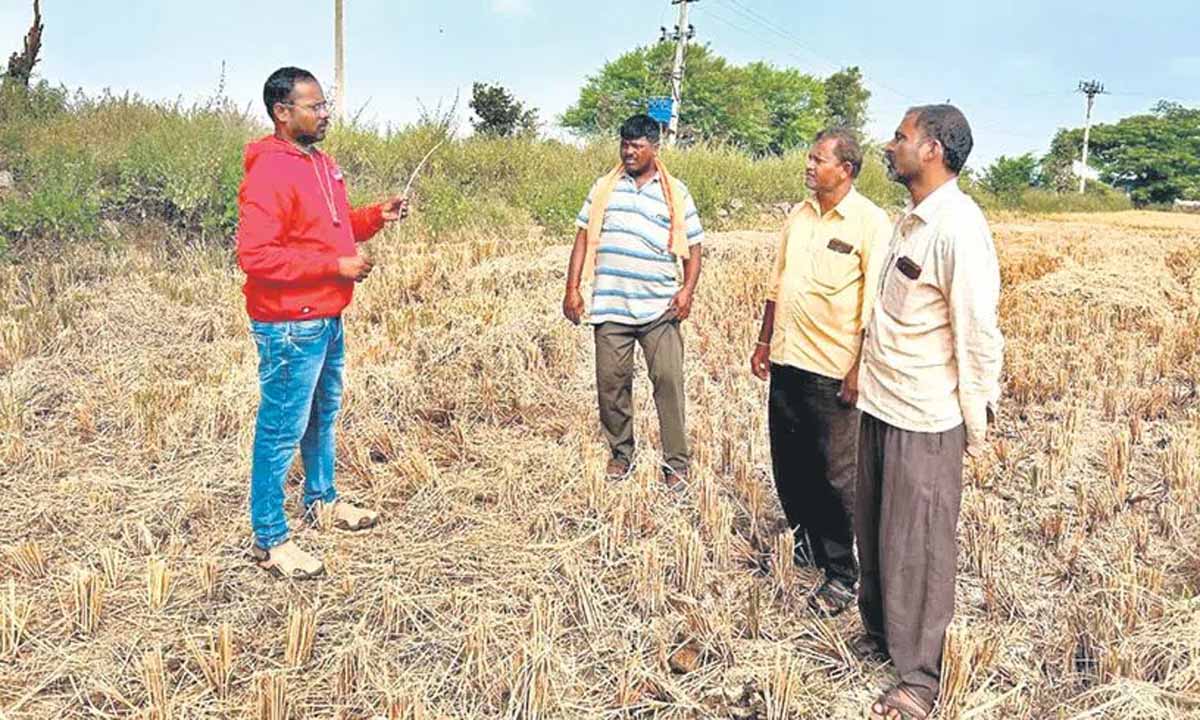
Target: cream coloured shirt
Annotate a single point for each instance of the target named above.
(933, 348)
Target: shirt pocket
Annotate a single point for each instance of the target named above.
(836, 265)
(903, 277)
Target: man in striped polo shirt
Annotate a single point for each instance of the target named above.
(643, 223)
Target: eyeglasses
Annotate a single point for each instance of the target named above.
(316, 107)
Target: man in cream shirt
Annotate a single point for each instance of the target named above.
(818, 301)
(928, 386)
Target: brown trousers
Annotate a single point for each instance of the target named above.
(662, 344)
(907, 502)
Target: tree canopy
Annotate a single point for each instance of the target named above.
(757, 107)
(1155, 156)
(498, 113)
(1010, 175)
(846, 98)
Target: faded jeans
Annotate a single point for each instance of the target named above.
(300, 382)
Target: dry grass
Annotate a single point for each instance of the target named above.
(508, 579)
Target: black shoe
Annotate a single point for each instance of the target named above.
(869, 650)
(832, 598)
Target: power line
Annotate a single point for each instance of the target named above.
(764, 22)
(748, 14)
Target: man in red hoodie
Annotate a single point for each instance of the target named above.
(297, 243)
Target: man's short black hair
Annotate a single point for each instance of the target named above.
(279, 86)
(640, 126)
(947, 125)
(847, 149)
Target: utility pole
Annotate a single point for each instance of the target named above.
(339, 62)
(683, 33)
(1091, 89)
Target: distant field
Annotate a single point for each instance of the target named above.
(508, 579)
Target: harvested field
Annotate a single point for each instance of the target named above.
(508, 578)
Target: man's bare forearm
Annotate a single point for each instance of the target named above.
(767, 330)
(691, 268)
(858, 355)
(578, 253)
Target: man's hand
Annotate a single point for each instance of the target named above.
(977, 442)
(681, 304)
(848, 395)
(760, 361)
(395, 209)
(354, 267)
(573, 305)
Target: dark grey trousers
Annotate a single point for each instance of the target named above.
(662, 344)
(909, 493)
(814, 452)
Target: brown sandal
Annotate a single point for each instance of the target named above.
(675, 480)
(901, 703)
(617, 470)
(288, 562)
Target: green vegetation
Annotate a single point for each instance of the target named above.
(1011, 176)
(79, 162)
(1017, 183)
(756, 108)
(1155, 156)
(1143, 160)
(83, 166)
(846, 98)
(499, 114)
(1098, 198)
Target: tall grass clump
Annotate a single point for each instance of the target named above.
(120, 158)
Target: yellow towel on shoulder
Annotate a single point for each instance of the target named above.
(678, 244)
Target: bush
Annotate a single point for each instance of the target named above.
(1098, 198)
(63, 201)
(124, 158)
(82, 160)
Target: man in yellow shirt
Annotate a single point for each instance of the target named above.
(818, 303)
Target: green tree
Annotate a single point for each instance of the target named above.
(1009, 176)
(1155, 156)
(758, 108)
(498, 113)
(846, 98)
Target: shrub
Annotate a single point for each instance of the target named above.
(81, 160)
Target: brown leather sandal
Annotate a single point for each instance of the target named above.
(901, 703)
(617, 470)
(675, 480)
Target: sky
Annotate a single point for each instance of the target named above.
(1012, 67)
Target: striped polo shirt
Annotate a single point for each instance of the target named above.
(636, 274)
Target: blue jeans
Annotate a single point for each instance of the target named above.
(300, 382)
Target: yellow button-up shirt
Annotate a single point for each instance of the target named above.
(824, 283)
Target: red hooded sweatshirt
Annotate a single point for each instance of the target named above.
(288, 240)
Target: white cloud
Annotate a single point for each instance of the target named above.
(511, 7)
